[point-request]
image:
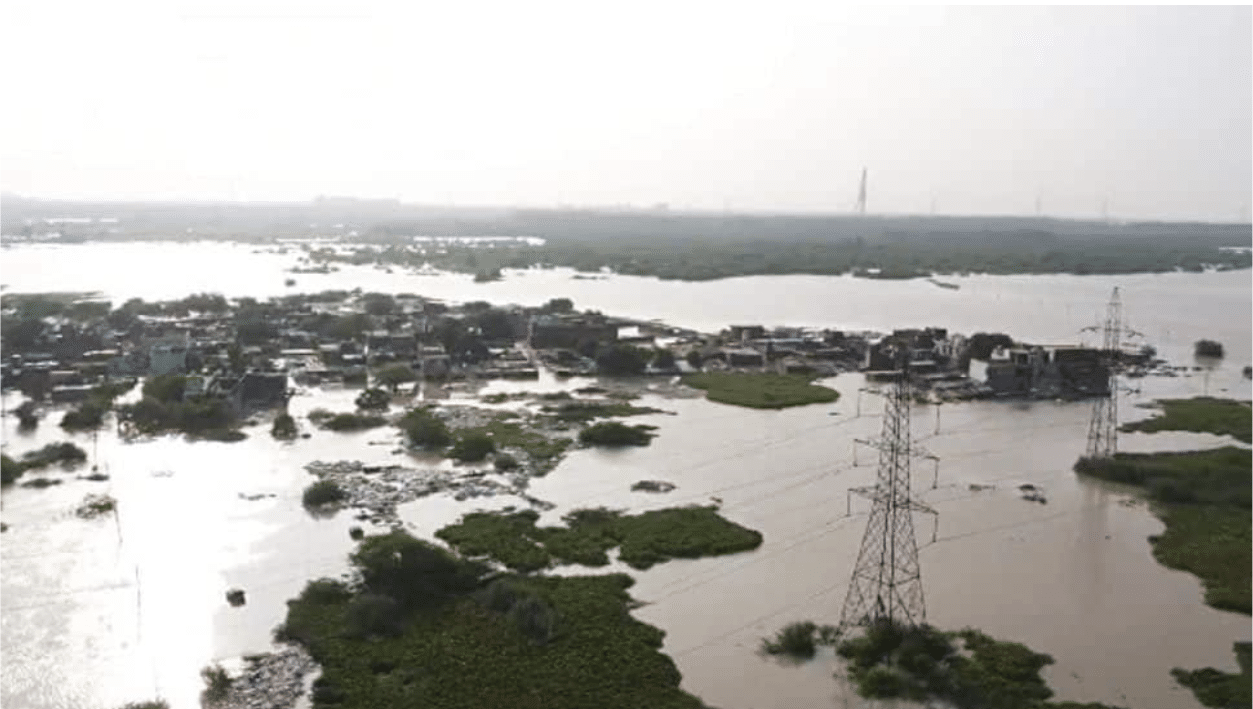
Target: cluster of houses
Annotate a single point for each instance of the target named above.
(317, 339)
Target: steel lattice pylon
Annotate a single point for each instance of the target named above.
(1103, 426)
(887, 580)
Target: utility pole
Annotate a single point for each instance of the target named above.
(1103, 426)
(887, 579)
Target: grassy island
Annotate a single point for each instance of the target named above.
(761, 391)
(644, 539)
(1222, 417)
(424, 628)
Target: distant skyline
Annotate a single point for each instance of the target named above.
(1137, 113)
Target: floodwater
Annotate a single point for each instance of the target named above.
(100, 612)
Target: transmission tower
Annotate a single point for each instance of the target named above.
(887, 580)
(861, 194)
(1103, 426)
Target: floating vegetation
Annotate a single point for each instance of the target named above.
(643, 540)
(652, 486)
(284, 427)
(351, 422)
(95, 505)
(1215, 688)
(453, 641)
(613, 434)
(40, 483)
(800, 640)
(1222, 417)
(761, 391)
(322, 492)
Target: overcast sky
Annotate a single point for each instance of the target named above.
(964, 110)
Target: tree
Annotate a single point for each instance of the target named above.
(395, 375)
(415, 573)
(558, 305)
(425, 430)
(982, 344)
(472, 447)
(1208, 348)
(695, 359)
(373, 399)
(378, 303)
(621, 360)
(664, 360)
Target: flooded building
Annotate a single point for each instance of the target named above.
(1048, 372)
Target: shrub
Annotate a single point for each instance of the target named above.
(612, 433)
(373, 614)
(1208, 348)
(796, 640)
(621, 360)
(322, 492)
(217, 683)
(535, 619)
(150, 704)
(425, 430)
(472, 447)
(417, 574)
(373, 400)
(10, 470)
(64, 453)
(27, 416)
(505, 462)
(353, 422)
(284, 427)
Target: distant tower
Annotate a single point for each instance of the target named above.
(861, 194)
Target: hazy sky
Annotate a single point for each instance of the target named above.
(777, 107)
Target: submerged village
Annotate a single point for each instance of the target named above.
(223, 370)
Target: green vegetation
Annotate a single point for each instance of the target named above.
(1222, 417)
(472, 446)
(797, 640)
(622, 360)
(1216, 477)
(922, 664)
(584, 411)
(151, 704)
(425, 429)
(284, 427)
(373, 400)
(217, 684)
(643, 540)
(505, 462)
(10, 470)
(27, 415)
(1215, 688)
(448, 640)
(352, 422)
(1205, 501)
(164, 408)
(613, 433)
(515, 436)
(65, 453)
(322, 492)
(981, 345)
(1212, 542)
(93, 506)
(395, 375)
(761, 391)
(90, 413)
(1208, 348)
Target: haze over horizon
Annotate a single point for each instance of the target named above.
(1141, 113)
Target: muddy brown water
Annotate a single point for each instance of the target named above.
(96, 613)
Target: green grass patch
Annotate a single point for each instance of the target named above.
(645, 539)
(425, 629)
(472, 447)
(613, 433)
(761, 391)
(1222, 417)
(1218, 476)
(1215, 688)
(516, 436)
(1213, 542)
(353, 422)
(586, 411)
(1204, 501)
